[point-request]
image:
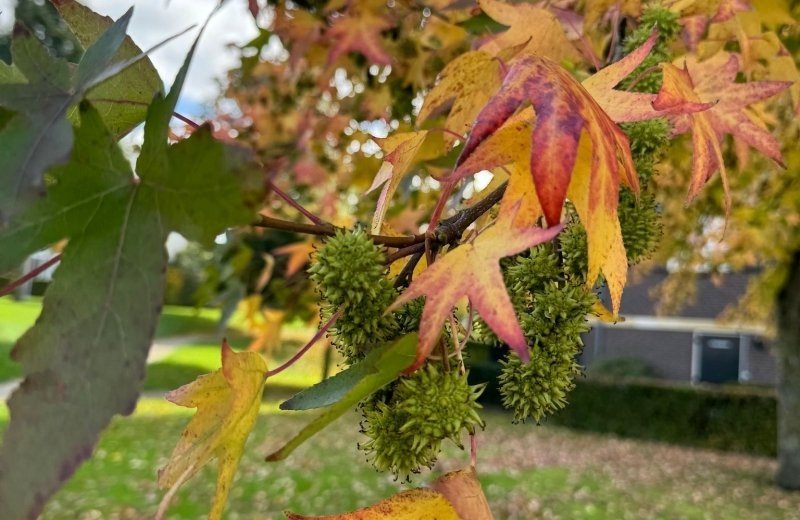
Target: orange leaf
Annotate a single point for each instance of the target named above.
(463, 490)
(408, 505)
(677, 96)
(473, 270)
(468, 82)
(359, 32)
(622, 106)
(401, 152)
(299, 255)
(227, 402)
(538, 30)
(563, 109)
(705, 98)
(714, 82)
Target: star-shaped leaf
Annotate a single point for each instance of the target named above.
(359, 31)
(465, 85)
(84, 359)
(39, 135)
(534, 29)
(401, 152)
(714, 82)
(565, 117)
(227, 402)
(704, 98)
(473, 270)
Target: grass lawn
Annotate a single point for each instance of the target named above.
(528, 472)
(188, 362)
(16, 317)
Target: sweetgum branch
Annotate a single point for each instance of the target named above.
(446, 232)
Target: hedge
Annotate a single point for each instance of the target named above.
(738, 419)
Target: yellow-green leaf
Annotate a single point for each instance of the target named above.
(227, 402)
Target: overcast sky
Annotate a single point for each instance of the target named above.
(154, 20)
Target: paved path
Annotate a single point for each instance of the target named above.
(159, 350)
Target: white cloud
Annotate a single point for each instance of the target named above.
(155, 20)
(6, 15)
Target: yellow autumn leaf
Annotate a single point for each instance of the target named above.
(227, 402)
(465, 85)
(403, 150)
(415, 504)
(531, 28)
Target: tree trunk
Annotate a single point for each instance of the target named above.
(788, 356)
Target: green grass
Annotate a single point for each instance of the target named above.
(187, 363)
(16, 317)
(527, 472)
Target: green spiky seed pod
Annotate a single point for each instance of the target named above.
(556, 317)
(351, 273)
(406, 433)
(648, 140)
(390, 449)
(409, 316)
(641, 225)
(540, 387)
(439, 404)
(646, 78)
(574, 250)
(531, 272)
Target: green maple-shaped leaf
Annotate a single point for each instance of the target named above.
(85, 358)
(39, 134)
(122, 100)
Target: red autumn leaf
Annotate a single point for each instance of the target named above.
(714, 82)
(622, 106)
(563, 111)
(677, 96)
(359, 32)
(473, 270)
(704, 98)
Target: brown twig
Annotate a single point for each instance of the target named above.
(326, 229)
(30, 275)
(405, 251)
(405, 275)
(446, 232)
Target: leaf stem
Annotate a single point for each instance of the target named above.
(30, 275)
(293, 203)
(321, 332)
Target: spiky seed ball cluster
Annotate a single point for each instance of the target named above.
(552, 308)
(666, 21)
(351, 273)
(540, 387)
(406, 432)
(574, 249)
(640, 222)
